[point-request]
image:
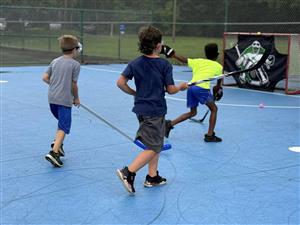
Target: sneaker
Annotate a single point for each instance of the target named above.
(154, 181)
(169, 127)
(127, 179)
(53, 158)
(60, 150)
(212, 138)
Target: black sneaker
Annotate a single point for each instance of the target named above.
(61, 150)
(154, 181)
(53, 158)
(127, 179)
(212, 138)
(169, 127)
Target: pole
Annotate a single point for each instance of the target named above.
(226, 16)
(174, 19)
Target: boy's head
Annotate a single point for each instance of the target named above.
(211, 51)
(68, 43)
(149, 37)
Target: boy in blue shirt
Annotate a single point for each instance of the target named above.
(62, 75)
(152, 76)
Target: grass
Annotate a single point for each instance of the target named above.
(123, 48)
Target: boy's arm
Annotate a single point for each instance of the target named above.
(122, 84)
(170, 53)
(46, 78)
(173, 89)
(75, 93)
(180, 58)
(219, 82)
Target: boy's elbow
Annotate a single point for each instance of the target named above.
(119, 83)
(172, 89)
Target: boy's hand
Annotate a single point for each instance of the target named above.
(217, 92)
(167, 51)
(76, 102)
(183, 86)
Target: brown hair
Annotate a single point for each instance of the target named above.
(149, 37)
(67, 43)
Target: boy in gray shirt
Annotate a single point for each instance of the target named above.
(62, 75)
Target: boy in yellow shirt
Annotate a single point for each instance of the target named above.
(200, 93)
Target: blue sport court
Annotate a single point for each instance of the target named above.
(252, 177)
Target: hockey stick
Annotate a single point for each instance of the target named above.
(256, 66)
(137, 142)
(203, 118)
(200, 120)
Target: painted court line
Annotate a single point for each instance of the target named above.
(3, 81)
(242, 89)
(241, 105)
(295, 149)
(104, 70)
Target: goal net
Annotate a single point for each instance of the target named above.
(284, 62)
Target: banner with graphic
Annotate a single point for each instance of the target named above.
(247, 52)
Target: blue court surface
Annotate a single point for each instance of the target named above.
(250, 178)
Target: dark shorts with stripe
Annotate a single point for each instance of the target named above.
(151, 132)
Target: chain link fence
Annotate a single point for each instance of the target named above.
(29, 33)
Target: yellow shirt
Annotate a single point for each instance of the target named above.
(203, 69)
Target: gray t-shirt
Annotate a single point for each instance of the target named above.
(62, 72)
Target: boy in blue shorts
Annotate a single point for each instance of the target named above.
(62, 75)
(200, 93)
(152, 76)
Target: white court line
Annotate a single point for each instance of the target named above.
(242, 89)
(105, 70)
(295, 149)
(3, 81)
(241, 105)
(250, 90)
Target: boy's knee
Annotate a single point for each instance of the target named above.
(193, 113)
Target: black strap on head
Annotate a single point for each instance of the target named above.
(70, 49)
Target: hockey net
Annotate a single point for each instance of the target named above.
(288, 44)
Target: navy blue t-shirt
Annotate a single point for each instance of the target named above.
(151, 77)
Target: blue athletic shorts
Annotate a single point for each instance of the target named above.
(197, 94)
(64, 116)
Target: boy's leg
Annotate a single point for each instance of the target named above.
(127, 174)
(60, 136)
(185, 116)
(213, 117)
(153, 178)
(152, 166)
(210, 136)
(63, 114)
(171, 123)
(141, 160)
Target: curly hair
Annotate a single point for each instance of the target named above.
(149, 37)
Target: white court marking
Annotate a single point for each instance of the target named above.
(242, 89)
(241, 105)
(3, 81)
(295, 149)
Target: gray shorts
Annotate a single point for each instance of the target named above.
(151, 132)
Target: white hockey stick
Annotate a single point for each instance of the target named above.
(137, 142)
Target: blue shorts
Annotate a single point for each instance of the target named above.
(64, 116)
(197, 94)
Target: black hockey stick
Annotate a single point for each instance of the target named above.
(137, 142)
(200, 120)
(256, 66)
(203, 118)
